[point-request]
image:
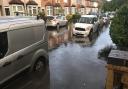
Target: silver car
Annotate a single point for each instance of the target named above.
(23, 45)
(56, 21)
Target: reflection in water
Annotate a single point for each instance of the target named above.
(85, 41)
(55, 38)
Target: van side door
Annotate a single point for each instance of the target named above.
(6, 61)
(22, 40)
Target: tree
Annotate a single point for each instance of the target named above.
(112, 5)
(119, 27)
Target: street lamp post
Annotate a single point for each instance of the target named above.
(25, 8)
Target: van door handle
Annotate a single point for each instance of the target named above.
(6, 64)
(20, 57)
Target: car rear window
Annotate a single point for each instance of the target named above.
(3, 44)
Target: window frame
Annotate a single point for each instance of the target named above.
(7, 45)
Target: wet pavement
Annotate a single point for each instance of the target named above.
(73, 64)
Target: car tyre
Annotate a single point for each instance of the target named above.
(90, 33)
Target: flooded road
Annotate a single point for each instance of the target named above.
(75, 65)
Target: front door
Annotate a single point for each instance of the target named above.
(7, 12)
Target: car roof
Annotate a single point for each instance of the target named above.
(18, 22)
(91, 16)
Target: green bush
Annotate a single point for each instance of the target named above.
(103, 53)
(73, 17)
(76, 16)
(119, 27)
(69, 18)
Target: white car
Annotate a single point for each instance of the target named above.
(86, 25)
(56, 21)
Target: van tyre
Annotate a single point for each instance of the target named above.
(39, 69)
(39, 65)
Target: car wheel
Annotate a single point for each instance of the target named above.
(90, 33)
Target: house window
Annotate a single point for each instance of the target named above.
(56, 10)
(17, 8)
(20, 8)
(49, 10)
(32, 10)
(82, 10)
(66, 10)
(73, 10)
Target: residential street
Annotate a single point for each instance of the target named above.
(73, 64)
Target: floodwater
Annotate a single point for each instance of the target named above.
(75, 64)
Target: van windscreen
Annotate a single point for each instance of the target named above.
(3, 44)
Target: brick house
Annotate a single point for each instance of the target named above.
(54, 7)
(10, 7)
(51, 7)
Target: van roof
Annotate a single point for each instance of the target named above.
(18, 22)
(91, 16)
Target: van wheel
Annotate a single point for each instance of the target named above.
(39, 69)
(39, 65)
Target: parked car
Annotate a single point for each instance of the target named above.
(86, 25)
(105, 18)
(56, 21)
(23, 45)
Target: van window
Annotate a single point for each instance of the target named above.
(3, 44)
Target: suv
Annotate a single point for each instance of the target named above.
(23, 45)
(86, 25)
(56, 21)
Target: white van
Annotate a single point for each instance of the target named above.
(23, 45)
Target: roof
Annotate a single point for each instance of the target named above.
(31, 2)
(89, 16)
(48, 4)
(82, 6)
(17, 22)
(16, 2)
(66, 5)
(73, 5)
(57, 5)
